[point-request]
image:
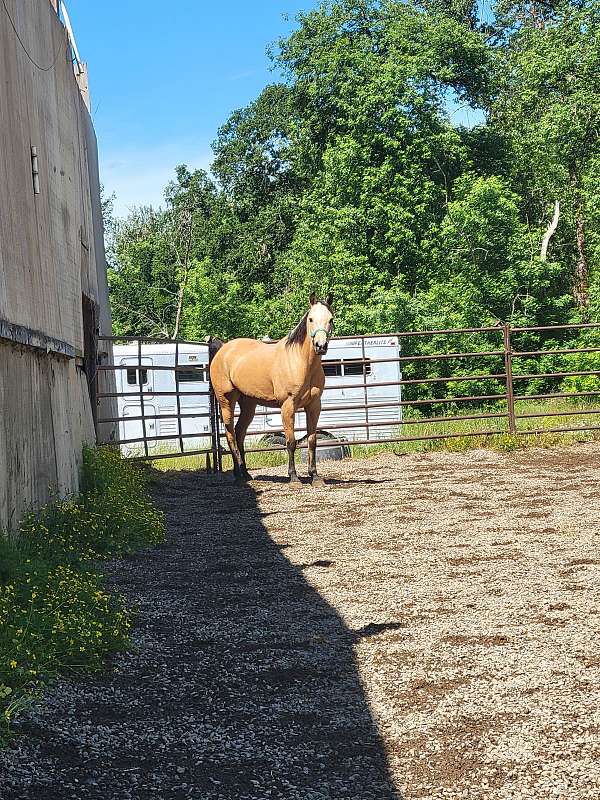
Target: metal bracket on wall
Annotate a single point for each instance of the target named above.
(19, 334)
(35, 169)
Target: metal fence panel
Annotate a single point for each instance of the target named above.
(158, 418)
(357, 396)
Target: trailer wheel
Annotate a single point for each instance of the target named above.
(270, 439)
(338, 450)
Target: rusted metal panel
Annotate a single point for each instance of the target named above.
(575, 413)
(571, 429)
(156, 394)
(389, 440)
(579, 374)
(442, 332)
(555, 351)
(554, 395)
(575, 326)
(205, 414)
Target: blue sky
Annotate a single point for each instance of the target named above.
(165, 75)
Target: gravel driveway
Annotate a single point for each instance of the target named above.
(423, 627)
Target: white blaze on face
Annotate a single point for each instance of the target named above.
(319, 326)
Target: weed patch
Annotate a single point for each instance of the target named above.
(55, 613)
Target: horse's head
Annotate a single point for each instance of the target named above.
(319, 322)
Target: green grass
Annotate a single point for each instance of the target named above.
(464, 436)
(54, 611)
(501, 440)
(198, 462)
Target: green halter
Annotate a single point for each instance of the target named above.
(314, 333)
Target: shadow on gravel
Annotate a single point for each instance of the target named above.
(243, 685)
(328, 481)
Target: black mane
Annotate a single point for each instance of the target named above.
(298, 335)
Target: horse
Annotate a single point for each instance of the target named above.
(286, 375)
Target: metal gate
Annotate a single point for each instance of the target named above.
(165, 406)
(506, 373)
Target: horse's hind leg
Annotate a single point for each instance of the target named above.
(312, 420)
(287, 416)
(247, 409)
(227, 403)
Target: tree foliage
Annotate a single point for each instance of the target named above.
(350, 176)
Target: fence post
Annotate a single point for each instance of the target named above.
(214, 417)
(215, 436)
(366, 392)
(510, 396)
(178, 398)
(141, 393)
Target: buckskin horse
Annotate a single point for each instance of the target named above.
(286, 375)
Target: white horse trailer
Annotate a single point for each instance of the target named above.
(352, 405)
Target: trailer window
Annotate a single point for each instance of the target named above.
(191, 374)
(132, 377)
(357, 366)
(332, 370)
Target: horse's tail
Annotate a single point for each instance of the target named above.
(214, 345)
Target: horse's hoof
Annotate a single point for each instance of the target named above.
(295, 480)
(317, 481)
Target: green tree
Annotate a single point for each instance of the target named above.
(547, 105)
(350, 176)
(152, 255)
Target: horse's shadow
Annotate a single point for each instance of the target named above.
(357, 481)
(305, 481)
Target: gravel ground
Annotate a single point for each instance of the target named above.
(422, 627)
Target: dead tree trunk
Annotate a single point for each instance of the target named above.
(184, 278)
(550, 230)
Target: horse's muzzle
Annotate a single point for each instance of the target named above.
(321, 349)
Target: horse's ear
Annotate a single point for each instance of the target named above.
(329, 300)
(312, 299)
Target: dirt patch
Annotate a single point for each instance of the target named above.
(426, 693)
(513, 555)
(456, 752)
(551, 621)
(485, 641)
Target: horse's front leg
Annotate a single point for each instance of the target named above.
(312, 420)
(287, 415)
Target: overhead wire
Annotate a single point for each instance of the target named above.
(25, 50)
